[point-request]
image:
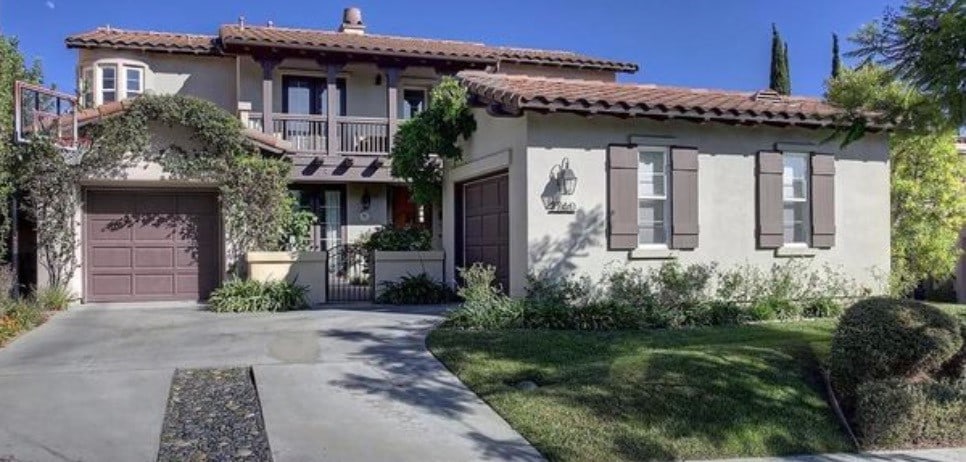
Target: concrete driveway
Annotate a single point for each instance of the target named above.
(335, 384)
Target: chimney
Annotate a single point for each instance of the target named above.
(352, 21)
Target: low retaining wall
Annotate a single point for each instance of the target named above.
(392, 266)
(303, 268)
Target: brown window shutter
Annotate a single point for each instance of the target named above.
(770, 201)
(622, 197)
(684, 198)
(823, 200)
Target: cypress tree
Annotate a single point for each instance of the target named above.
(778, 77)
(836, 59)
(786, 71)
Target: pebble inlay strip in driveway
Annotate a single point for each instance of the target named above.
(213, 415)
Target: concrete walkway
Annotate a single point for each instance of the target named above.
(337, 384)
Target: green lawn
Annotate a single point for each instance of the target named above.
(672, 394)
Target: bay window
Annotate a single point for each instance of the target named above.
(108, 83)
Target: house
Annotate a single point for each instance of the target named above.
(568, 171)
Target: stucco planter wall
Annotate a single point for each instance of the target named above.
(392, 266)
(302, 268)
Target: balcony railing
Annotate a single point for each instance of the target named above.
(309, 133)
(363, 135)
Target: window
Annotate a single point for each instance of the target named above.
(652, 197)
(134, 78)
(307, 95)
(414, 102)
(795, 195)
(108, 83)
(87, 87)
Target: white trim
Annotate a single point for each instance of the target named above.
(806, 199)
(666, 197)
(652, 253)
(795, 250)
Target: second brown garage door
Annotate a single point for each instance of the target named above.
(145, 245)
(486, 227)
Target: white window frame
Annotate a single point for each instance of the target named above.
(403, 112)
(666, 197)
(806, 199)
(100, 82)
(140, 70)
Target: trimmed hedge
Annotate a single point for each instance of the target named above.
(895, 413)
(882, 338)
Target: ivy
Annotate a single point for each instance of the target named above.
(256, 203)
(433, 135)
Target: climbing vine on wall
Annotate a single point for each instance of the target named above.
(256, 204)
(433, 135)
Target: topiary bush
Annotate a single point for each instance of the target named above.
(397, 239)
(896, 413)
(883, 338)
(415, 290)
(246, 296)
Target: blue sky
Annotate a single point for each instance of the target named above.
(696, 43)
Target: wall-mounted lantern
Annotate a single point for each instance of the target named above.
(566, 179)
(563, 183)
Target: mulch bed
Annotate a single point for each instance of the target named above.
(213, 415)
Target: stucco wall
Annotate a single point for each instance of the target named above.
(576, 243)
(365, 98)
(378, 211)
(207, 77)
(498, 145)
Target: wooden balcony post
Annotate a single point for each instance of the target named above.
(268, 66)
(392, 102)
(332, 107)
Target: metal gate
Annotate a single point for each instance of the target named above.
(350, 274)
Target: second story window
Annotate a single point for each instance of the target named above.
(653, 209)
(414, 102)
(134, 80)
(795, 196)
(87, 87)
(108, 83)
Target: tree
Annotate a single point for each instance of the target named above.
(836, 58)
(923, 43)
(786, 69)
(12, 68)
(928, 192)
(423, 142)
(778, 78)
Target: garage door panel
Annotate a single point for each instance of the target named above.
(154, 257)
(111, 284)
(151, 245)
(153, 284)
(111, 257)
(107, 229)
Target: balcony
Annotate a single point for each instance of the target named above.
(309, 134)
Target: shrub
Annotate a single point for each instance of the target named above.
(54, 298)
(895, 413)
(241, 296)
(415, 290)
(388, 238)
(955, 368)
(484, 306)
(882, 338)
(681, 292)
(16, 316)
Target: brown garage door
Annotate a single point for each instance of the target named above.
(143, 245)
(486, 225)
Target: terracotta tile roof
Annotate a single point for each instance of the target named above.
(407, 46)
(144, 40)
(95, 114)
(514, 93)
